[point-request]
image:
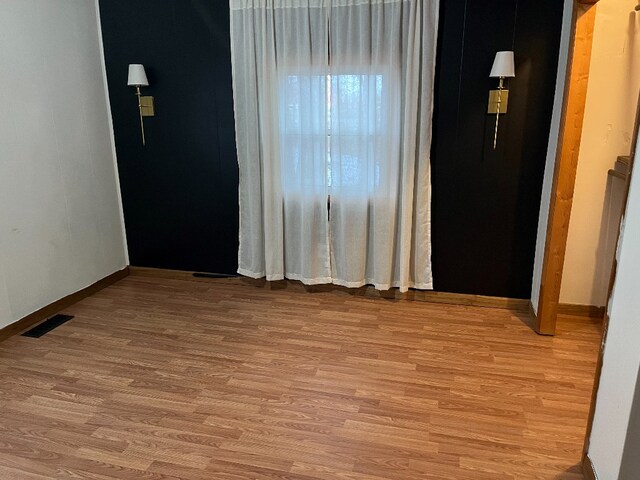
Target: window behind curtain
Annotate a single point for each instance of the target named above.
(333, 133)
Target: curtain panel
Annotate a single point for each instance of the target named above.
(333, 105)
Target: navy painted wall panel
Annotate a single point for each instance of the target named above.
(180, 192)
(485, 201)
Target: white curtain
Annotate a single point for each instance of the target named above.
(333, 103)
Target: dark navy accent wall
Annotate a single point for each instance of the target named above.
(485, 202)
(180, 192)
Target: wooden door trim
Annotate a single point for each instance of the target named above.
(564, 176)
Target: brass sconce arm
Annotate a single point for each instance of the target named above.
(140, 110)
(498, 102)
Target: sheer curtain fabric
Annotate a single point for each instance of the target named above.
(333, 105)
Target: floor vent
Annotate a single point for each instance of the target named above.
(214, 275)
(47, 325)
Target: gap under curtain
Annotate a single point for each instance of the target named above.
(333, 104)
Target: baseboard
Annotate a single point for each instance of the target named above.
(43, 313)
(587, 469)
(430, 296)
(367, 291)
(589, 311)
(166, 273)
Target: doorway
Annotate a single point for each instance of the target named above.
(593, 161)
(593, 168)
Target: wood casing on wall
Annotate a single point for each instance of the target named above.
(565, 170)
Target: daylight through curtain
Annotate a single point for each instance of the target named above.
(333, 103)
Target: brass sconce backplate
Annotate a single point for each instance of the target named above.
(493, 101)
(146, 106)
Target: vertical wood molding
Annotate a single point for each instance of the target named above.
(564, 176)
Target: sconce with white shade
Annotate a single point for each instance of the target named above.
(503, 67)
(138, 78)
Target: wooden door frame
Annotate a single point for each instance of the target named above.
(566, 164)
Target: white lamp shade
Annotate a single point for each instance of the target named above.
(503, 65)
(137, 76)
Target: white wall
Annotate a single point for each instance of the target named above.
(60, 218)
(614, 84)
(551, 151)
(630, 459)
(621, 359)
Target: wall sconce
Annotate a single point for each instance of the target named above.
(138, 78)
(503, 67)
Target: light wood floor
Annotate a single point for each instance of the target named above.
(171, 379)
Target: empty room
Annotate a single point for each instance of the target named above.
(319, 239)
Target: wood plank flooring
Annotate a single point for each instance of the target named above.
(157, 378)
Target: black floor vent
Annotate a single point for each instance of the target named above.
(47, 325)
(214, 275)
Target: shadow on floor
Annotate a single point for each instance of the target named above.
(571, 473)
